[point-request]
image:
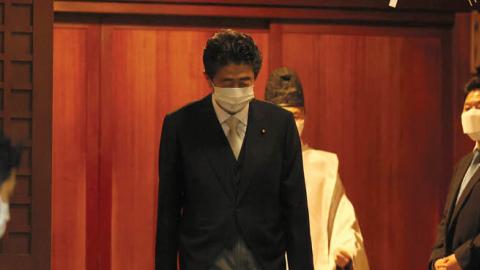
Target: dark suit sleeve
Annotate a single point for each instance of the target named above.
(439, 246)
(468, 254)
(169, 200)
(438, 250)
(294, 203)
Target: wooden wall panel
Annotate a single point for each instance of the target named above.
(69, 149)
(461, 75)
(25, 112)
(375, 98)
(148, 71)
(75, 146)
(136, 87)
(16, 119)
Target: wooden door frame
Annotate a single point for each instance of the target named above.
(42, 134)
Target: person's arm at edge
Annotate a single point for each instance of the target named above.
(294, 203)
(169, 200)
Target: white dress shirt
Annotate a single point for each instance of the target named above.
(242, 115)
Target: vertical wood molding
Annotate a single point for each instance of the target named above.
(107, 138)
(42, 133)
(275, 46)
(474, 41)
(448, 134)
(93, 192)
(461, 74)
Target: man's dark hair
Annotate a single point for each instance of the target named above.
(474, 83)
(230, 47)
(9, 157)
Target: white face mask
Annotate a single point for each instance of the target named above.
(300, 124)
(4, 216)
(471, 123)
(233, 100)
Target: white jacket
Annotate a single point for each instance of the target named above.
(333, 223)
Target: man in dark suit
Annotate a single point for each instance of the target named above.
(232, 191)
(458, 241)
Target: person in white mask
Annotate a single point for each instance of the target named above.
(9, 161)
(337, 241)
(458, 237)
(231, 191)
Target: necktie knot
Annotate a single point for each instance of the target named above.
(232, 123)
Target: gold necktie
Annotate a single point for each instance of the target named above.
(233, 136)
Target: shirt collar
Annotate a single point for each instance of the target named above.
(222, 115)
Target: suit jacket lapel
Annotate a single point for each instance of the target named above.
(454, 207)
(253, 148)
(216, 147)
(465, 193)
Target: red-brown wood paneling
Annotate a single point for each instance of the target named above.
(375, 97)
(113, 86)
(461, 75)
(148, 71)
(75, 147)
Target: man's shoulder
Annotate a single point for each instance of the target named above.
(271, 108)
(189, 109)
